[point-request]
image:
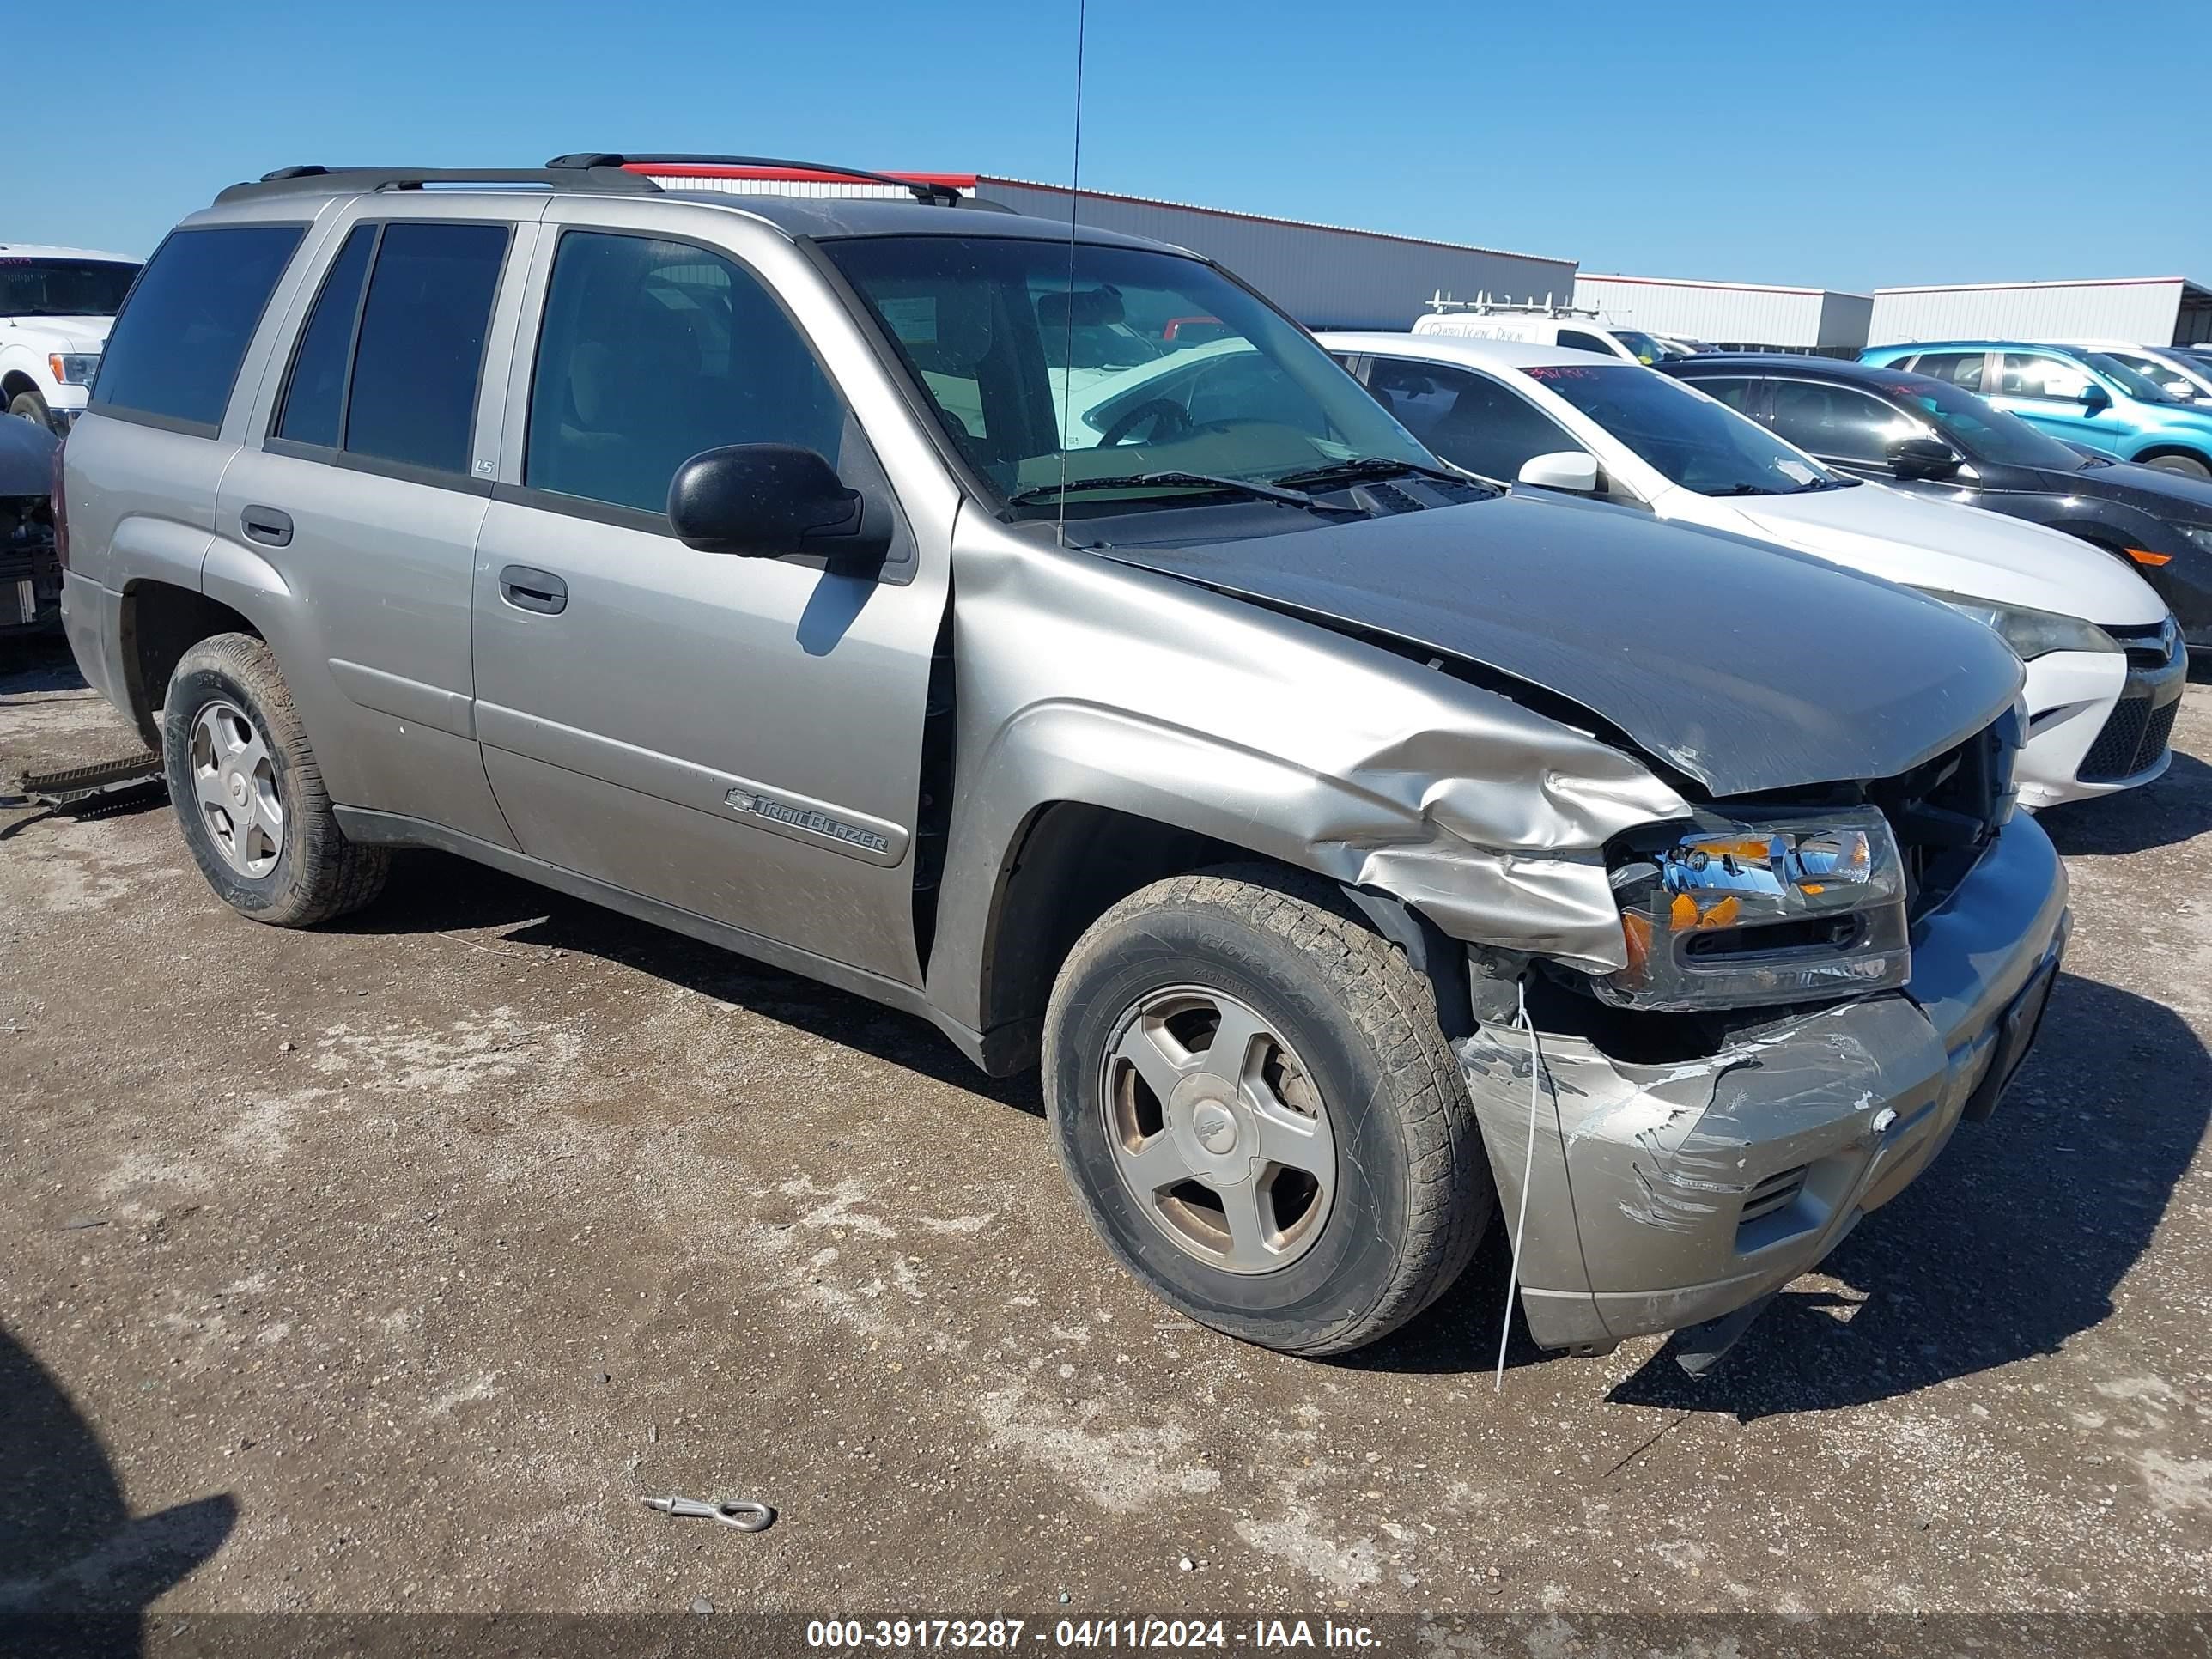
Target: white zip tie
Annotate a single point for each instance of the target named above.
(1528, 1172)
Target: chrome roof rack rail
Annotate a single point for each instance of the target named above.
(920, 189)
(320, 180)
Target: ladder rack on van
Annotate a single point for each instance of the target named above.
(1483, 306)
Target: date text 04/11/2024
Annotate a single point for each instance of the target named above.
(895, 1634)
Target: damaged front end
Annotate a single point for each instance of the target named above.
(1687, 1166)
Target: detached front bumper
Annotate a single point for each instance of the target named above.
(1666, 1195)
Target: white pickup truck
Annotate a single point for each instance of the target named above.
(55, 306)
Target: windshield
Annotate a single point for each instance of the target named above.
(1983, 431)
(63, 288)
(1696, 443)
(2138, 386)
(1173, 368)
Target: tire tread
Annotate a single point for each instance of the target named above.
(331, 875)
(1393, 1007)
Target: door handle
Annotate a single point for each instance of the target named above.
(528, 588)
(269, 526)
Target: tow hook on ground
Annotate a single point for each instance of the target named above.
(745, 1517)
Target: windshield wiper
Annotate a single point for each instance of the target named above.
(1258, 492)
(1740, 490)
(1822, 483)
(1363, 467)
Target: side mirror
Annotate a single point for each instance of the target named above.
(764, 500)
(2095, 397)
(1565, 469)
(1924, 457)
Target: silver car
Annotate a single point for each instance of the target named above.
(1358, 847)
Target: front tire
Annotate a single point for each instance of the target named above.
(30, 406)
(1249, 1092)
(249, 796)
(2187, 466)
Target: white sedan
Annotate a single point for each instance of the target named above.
(2105, 671)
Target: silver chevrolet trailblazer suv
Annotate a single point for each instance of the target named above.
(885, 590)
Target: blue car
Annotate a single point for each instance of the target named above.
(2082, 397)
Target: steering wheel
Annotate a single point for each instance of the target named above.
(1173, 419)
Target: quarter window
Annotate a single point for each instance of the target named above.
(1471, 422)
(652, 352)
(419, 346)
(1836, 423)
(175, 351)
(1960, 368)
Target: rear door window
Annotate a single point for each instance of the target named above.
(174, 355)
(314, 396)
(419, 348)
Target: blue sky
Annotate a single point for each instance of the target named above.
(1843, 145)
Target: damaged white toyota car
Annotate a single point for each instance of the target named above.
(1355, 846)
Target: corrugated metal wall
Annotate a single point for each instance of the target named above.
(2144, 312)
(1324, 277)
(1730, 314)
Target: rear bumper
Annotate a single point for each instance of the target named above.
(1665, 1195)
(92, 616)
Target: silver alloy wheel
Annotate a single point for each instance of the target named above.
(235, 784)
(1218, 1130)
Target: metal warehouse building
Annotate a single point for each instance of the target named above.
(1737, 316)
(1325, 276)
(2147, 310)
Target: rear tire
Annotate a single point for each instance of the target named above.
(2187, 465)
(1316, 1189)
(249, 796)
(30, 406)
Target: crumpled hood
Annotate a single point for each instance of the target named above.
(58, 333)
(1749, 668)
(1961, 549)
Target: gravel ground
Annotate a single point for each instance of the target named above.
(387, 1266)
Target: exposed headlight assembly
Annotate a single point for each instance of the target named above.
(1725, 914)
(2031, 634)
(74, 368)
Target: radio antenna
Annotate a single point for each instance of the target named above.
(1074, 195)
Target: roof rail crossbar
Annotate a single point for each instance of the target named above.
(920, 189)
(321, 179)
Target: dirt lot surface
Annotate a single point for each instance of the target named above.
(387, 1266)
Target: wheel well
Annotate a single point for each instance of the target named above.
(15, 382)
(2181, 451)
(1073, 862)
(161, 622)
